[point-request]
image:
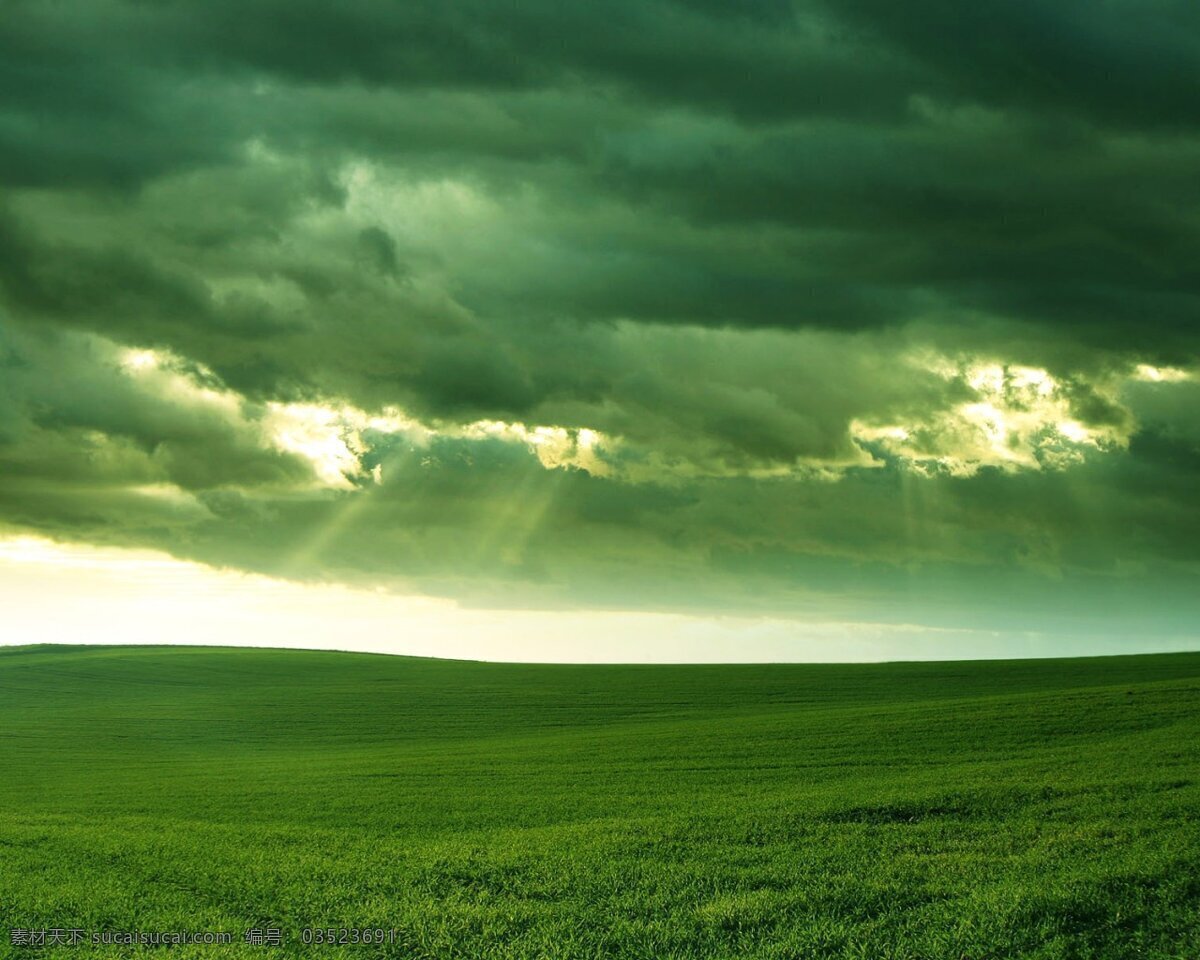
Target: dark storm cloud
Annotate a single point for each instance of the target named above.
(1126, 63)
(674, 51)
(740, 241)
(944, 159)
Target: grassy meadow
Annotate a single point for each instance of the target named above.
(1042, 809)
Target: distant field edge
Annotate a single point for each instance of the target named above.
(14, 650)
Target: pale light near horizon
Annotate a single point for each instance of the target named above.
(63, 593)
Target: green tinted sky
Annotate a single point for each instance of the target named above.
(819, 312)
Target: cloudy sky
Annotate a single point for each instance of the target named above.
(826, 328)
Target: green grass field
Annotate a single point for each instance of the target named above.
(1045, 808)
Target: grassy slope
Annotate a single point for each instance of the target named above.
(1036, 808)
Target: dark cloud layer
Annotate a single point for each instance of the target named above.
(770, 254)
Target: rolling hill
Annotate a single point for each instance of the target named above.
(917, 811)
